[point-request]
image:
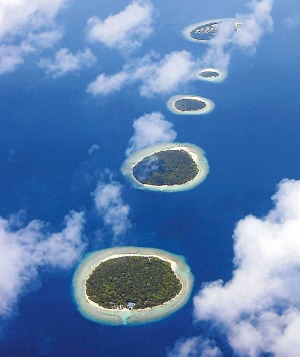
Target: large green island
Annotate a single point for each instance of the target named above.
(166, 167)
(131, 285)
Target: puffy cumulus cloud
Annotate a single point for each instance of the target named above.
(25, 27)
(150, 129)
(167, 74)
(10, 57)
(104, 84)
(154, 74)
(254, 25)
(19, 16)
(259, 308)
(125, 30)
(25, 249)
(112, 208)
(65, 62)
(195, 347)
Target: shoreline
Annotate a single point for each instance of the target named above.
(96, 313)
(173, 267)
(188, 29)
(196, 153)
(222, 75)
(209, 105)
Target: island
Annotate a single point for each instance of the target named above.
(131, 285)
(168, 167)
(211, 75)
(190, 104)
(206, 31)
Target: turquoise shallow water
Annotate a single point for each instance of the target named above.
(251, 140)
(127, 317)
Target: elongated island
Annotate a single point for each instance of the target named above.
(131, 285)
(168, 167)
(211, 75)
(190, 104)
(207, 30)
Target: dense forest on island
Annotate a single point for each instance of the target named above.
(143, 281)
(207, 74)
(169, 167)
(189, 104)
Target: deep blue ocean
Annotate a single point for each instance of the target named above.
(251, 140)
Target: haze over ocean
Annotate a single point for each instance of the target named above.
(78, 88)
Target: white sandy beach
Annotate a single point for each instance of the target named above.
(99, 314)
(187, 30)
(220, 78)
(209, 105)
(196, 153)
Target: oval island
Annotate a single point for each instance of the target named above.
(131, 285)
(211, 75)
(190, 104)
(166, 167)
(207, 30)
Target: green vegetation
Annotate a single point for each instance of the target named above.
(207, 74)
(143, 281)
(205, 32)
(189, 104)
(168, 167)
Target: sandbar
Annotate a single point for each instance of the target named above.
(196, 153)
(209, 105)
(217, 79)
(94, 312)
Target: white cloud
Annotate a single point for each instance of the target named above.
(10, 58)
(94, 148)
(195, 347)
(104, 84)
(24, 250)
(167, 75)
(125, 30)
(293, 20)
(19, 16)
(112, 208)
(65, 62)
(25, 27)
(150, 129)
(44, 39)
(255, 24)
(154, 74)
(259, 308)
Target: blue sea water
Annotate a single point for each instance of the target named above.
(251, 140)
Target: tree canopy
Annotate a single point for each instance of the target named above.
(143, 281)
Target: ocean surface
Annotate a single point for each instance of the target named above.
(251, 141)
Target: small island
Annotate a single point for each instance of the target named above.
(211, 75)
(169, 167)
(206, 31)
(131, 285)
(190, 104)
